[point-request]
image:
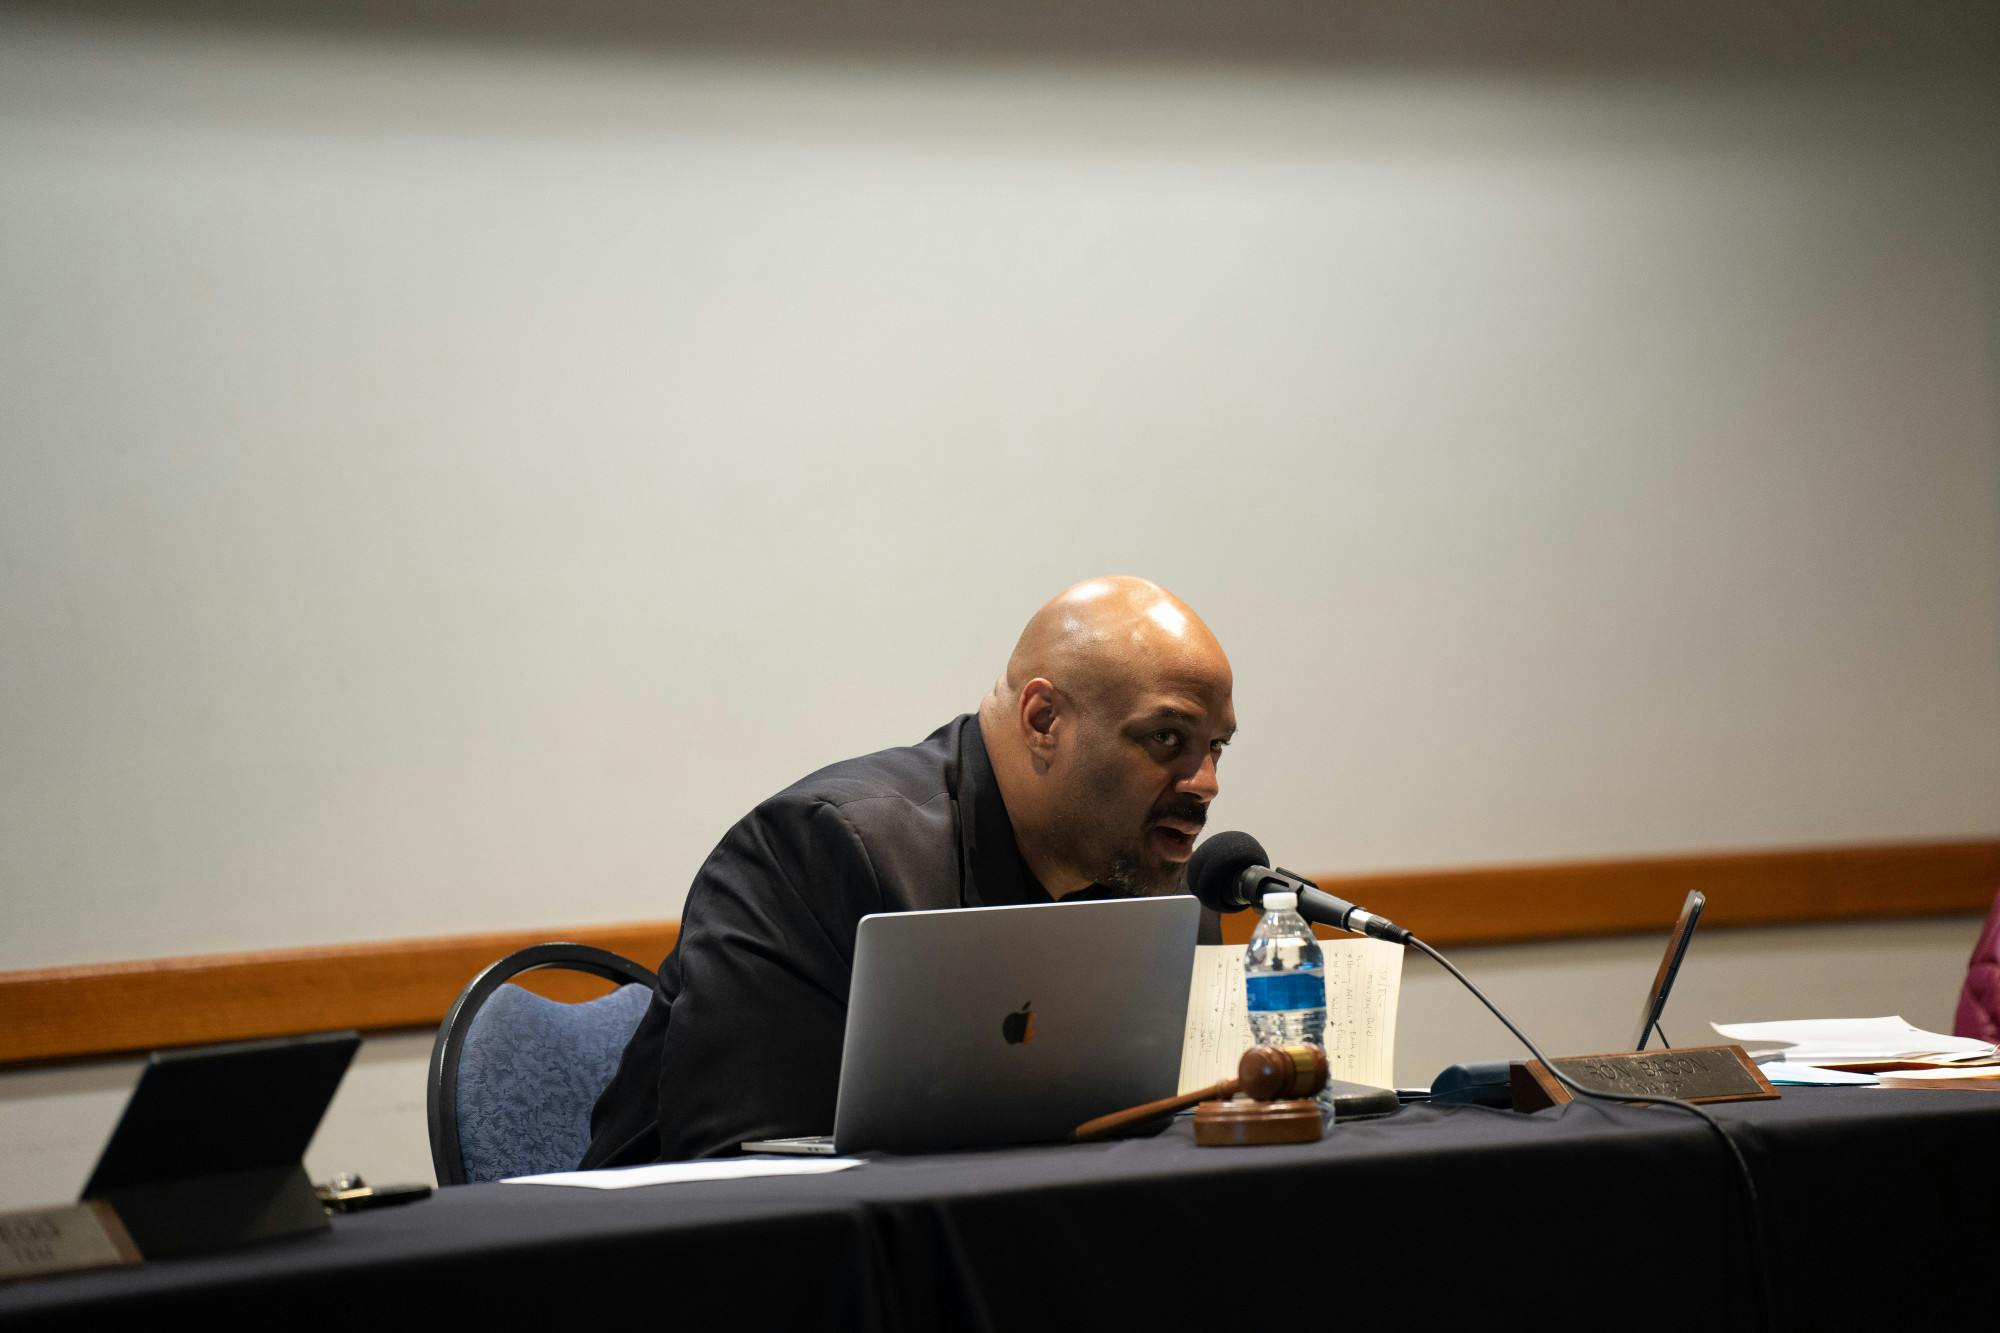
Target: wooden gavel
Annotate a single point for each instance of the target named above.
(1265, 1073)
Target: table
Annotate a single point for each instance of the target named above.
(1877, 1203)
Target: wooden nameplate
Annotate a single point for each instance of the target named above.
(1243, 1123)
(1688, 1073)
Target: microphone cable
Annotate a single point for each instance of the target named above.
(1760, 1250)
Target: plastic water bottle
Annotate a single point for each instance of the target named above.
(1285, 976)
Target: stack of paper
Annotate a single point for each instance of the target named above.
(1854, 1041)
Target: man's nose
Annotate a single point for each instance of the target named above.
(1202, 782)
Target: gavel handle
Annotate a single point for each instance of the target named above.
(1106, 1125)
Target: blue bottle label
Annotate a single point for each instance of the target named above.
(1277, 991)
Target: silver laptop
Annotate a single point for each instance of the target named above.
(989, 1025)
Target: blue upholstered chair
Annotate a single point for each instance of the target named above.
(513, 1076)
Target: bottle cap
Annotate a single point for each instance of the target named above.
(1280, 900)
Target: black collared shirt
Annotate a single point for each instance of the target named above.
(992, 872)
(743, 1037)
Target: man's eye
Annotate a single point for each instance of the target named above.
(1170, 739)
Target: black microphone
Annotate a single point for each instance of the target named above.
(1232, 871)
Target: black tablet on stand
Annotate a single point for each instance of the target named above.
(209, 1152)
(1489, 1082)
(1670, 967)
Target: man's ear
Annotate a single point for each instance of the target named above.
(1041, 718)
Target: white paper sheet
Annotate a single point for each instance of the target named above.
(1816, 1041)
(679, 1173)
(1364, 981)
(1783, 1073)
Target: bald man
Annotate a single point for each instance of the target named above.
(1086, 773)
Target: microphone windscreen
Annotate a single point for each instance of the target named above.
(1215, 866)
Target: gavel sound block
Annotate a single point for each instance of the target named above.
(1270, 1102)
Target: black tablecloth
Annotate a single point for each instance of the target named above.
(1876, 1204)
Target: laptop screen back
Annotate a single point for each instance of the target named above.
(978, 1026)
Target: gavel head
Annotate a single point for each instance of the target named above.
(1277, 1073)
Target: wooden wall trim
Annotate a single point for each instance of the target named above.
(65, 1012)
(70, 1012)
(1574, 899)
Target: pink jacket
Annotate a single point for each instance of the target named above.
(1979, 1002)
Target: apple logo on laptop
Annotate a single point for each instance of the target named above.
(1019, 1026)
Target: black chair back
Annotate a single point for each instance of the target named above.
(619, 1011)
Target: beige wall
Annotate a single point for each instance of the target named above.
(446, 480)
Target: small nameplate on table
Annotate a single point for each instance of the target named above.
(67, 1239)
(1689, 1073)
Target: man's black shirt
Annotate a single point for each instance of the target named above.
(743, 1036)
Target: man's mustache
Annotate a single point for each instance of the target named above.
(1186, 807)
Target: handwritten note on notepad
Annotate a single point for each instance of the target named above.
(1364, 979)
